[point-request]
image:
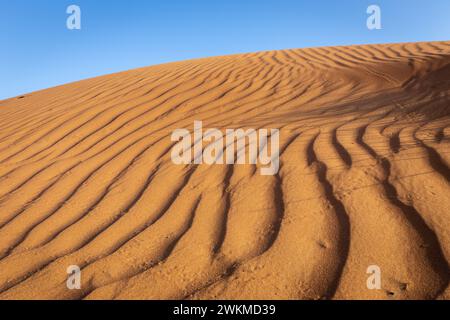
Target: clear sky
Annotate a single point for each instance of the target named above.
(38, 51)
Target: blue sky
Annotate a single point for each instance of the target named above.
(38, 51)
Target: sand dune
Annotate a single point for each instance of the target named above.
(86, 179)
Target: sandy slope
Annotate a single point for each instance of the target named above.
(86, 179)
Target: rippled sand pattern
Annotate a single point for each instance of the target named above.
(86, 179)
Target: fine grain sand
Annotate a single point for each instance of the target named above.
(86, 179)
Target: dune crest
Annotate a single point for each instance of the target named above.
(86, 179)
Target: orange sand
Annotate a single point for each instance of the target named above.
(86, 179)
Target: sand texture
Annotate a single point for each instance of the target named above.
(86, 179)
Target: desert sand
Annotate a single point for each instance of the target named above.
(86, 179)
